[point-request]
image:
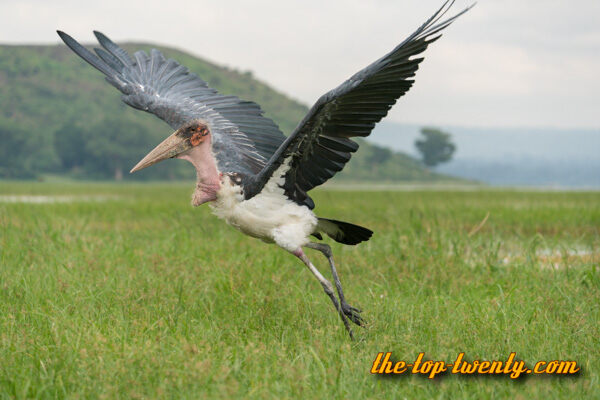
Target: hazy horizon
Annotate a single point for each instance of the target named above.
(509, 156)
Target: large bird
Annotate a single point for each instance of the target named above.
(254, 177)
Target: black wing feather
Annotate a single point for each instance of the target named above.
(243, 139)
(320, 146)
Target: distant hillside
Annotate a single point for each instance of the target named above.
(57, 115)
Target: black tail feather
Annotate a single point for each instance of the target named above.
(344, 232)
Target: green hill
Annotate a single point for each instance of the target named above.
(58, 116)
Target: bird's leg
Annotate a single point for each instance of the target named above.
(351, 312)
(327, 287)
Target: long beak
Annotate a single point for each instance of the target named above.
(169, 148)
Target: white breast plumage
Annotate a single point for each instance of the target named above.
(269, 216)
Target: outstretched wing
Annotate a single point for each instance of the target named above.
(243, 140)
(320, 146)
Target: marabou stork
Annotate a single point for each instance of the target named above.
(254, 177)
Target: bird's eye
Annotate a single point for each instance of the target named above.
(195, 139)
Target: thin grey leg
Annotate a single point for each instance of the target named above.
(327, 287)
(351, 312)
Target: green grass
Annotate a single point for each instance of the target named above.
(142, 296)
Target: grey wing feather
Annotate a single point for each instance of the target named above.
(320, 146)
(243, 139)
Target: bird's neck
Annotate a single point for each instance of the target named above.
(207, 176)
(205, 191)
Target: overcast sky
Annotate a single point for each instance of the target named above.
(505, 63)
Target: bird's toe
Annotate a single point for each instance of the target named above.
(353, 314)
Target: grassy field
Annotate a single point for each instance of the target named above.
(118, 291)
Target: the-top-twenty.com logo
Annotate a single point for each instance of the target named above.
(514, 369)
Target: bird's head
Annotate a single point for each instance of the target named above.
(189, 136)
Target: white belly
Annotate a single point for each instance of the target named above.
(269, 216)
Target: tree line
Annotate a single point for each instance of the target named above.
(103, 150)
(107, 148)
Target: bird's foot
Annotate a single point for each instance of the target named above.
(353, 314)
